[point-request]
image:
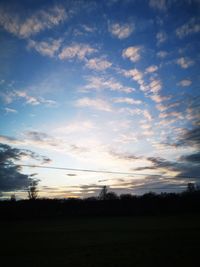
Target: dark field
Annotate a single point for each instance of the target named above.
(105, 241)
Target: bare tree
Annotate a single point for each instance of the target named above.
(103, 193)
(33, 191)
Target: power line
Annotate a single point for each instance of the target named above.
(97, 171)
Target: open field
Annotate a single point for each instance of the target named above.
(104, 241)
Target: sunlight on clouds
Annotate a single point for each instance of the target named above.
(132, 53)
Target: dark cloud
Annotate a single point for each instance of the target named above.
(190, 138)
(186, 166)
(193, 158)
(11, 177)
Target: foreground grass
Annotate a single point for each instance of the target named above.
(90, 242)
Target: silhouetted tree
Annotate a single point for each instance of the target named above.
(32, 191)
(191, 187)
(13, 197)
(103, 193)
(111, 196)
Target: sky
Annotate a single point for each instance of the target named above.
(101, 85)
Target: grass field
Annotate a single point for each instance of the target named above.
(89, 242)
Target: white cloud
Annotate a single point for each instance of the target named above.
(158, 4)
(161, 37)
(185, 83)
(192, 26)
(98, 104)
(127, 100)
(151, 69)
(88, 28)
(184, 62)
(121, 31)
(31, 100)
(137, 111)
(101, 83)
(46, 48)
(77, 50)
(39, 21)
(10, 110)
(98, 64)
(132, 53)
(135, 74)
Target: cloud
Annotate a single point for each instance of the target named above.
(76, 50)
(127, 100)
(193, 158)
(155, 86)
(132, 53)
(98, 64)
(162, 54)
(151, 69)
(158, 4)
(183, 168)
(30, 100)
(135, 74)
(39, 21)
(185, 62)
(158, 98)
(103, 83)
(190, 138)
(121, 31)
(191, 27)
(137, 111)
(45, 48)
(161, 37)
(10, 176)
(185, 83)
(10, 110)
(98, 104)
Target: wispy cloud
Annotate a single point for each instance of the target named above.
(98, 104)
(161, 37)
(121, 31)
(158, 4)
(185, 82)
(133, 53)
(39, 21)
(76, 50)
(46, 48)
(30, 100)
(127, 100)
(151, 69)
(185, 62)
(190, 27)
(162, 54)
(98, 64)
(10, 110)
(102, 83)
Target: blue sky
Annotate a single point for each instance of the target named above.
(104, 85)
